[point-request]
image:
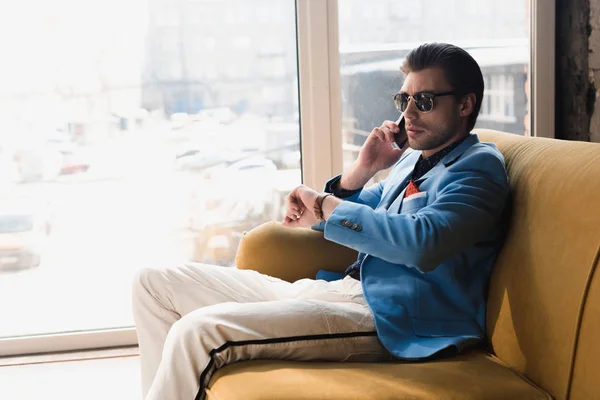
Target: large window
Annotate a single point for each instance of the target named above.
(146, 133)
(135, 133)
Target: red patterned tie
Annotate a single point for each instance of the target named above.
(411, 189)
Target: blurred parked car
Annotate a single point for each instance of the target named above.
(37, 163)
(46, 159)
(24, 229)
(222, 115)
(73, 156)
(74, 162)
(256, 172)
(232, 199)
(198, 159)
(216, 240)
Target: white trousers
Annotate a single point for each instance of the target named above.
(196, 318)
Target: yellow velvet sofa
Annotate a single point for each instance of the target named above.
(543, 315)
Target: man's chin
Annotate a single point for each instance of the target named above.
(415, 145)
(422, 146)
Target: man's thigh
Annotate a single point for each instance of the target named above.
(292, 329)
(192, 286)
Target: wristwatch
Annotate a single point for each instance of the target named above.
(318, 206)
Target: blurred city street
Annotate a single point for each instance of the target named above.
(102, 232)
(123, 214)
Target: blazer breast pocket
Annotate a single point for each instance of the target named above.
(413, 203)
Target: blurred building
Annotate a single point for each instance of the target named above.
(375, 37)
(236, 53)
(368, 87)
(242, 54)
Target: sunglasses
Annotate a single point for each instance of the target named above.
(423, 100)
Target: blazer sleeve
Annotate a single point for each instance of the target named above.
(469, 201)
(369, 197)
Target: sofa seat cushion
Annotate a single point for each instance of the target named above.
(474, 375)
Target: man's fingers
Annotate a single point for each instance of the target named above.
(292, 202)
(388, 134)
(294, 208)
(293, 213)
(298, 209)
(291, 222)
(393, 129)
(288, 222)
(393, 126)
(378, 133)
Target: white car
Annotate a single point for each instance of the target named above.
(23, 234)
(230, 201)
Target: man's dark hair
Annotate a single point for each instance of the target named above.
(462, 71)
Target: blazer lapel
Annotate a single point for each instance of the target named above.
(395, 204)
(403, 176)
(393, 200)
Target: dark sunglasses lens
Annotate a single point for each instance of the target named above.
(423, 102)
(398, 102)
(403, 102)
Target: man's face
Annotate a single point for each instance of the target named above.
(433, 130)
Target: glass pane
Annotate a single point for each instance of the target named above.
(375, 36)
(135, 133)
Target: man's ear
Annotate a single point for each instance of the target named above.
(467, 104)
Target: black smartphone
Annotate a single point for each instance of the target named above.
(400, 138)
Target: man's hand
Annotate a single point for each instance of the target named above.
(377, 153)
(299, 206)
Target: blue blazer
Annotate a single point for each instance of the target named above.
(428, 258)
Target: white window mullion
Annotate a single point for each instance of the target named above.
(319, 77)
(68, 341)
(542, 67)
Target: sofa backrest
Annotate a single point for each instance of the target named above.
(543, 315)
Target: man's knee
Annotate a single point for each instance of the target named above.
(187, 333)
(212, 324)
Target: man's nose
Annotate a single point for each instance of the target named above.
(411, 111)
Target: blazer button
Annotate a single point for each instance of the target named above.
(346, 223)
(354, 226)
(358, 228)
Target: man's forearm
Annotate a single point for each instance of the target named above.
(356, 177)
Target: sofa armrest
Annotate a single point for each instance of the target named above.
(291, 253)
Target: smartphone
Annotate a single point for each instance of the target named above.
(401, 137)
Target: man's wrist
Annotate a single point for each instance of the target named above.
(328, 205)
(318, 206)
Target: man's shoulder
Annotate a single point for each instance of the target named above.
(482, 160)
(481, 155)
(484, 149)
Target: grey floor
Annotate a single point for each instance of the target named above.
(97, 379)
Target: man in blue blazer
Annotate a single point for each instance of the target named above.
(427, 238)
(428, 235)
